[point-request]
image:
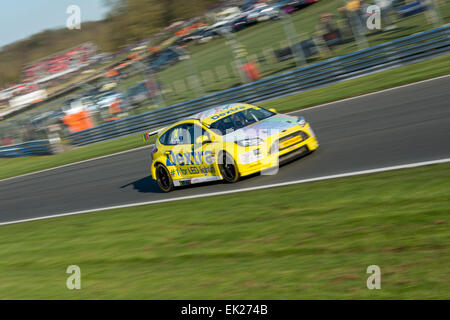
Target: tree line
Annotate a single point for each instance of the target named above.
(127, 22)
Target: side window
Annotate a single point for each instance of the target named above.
(178, 135)
(183, 134)
(224, 125)
(195, 131)
(163, 138)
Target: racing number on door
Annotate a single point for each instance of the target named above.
(186, 159)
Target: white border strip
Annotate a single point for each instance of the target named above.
(295, 111)
(341, 175)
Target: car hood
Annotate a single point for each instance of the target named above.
(263, 129)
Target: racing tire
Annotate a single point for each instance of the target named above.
(228, 168)
(163, 178)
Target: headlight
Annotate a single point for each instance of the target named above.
(301, 121)
(250, 142)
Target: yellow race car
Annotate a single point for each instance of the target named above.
(226, 143)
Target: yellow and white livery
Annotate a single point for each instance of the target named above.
(226, 143)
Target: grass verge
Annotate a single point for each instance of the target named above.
(308, 241)
(386, 79)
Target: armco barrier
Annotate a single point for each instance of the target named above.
(390, 54)
(30, 148)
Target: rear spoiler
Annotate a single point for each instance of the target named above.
(147, 135)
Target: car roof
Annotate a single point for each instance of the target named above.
(211, 115)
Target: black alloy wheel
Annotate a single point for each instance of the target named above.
(228, 168)
(163, 178)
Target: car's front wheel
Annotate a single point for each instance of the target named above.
(228, 168)
(163, 178)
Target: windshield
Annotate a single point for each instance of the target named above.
(240, 120)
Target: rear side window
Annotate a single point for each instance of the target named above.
(176, 136)
(183, 134)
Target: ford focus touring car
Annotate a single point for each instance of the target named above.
(226, 143)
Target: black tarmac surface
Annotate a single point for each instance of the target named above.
(400, 126)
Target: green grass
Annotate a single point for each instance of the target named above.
(415, 72)
(308, 241)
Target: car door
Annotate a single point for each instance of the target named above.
(204, 154)
(179, 152)
(187, 160)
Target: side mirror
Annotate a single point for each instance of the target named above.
(273, 110)
(203, 140)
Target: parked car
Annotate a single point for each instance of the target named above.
(225, 16)
(137, 94)
(76, 104)
(262, 12)
(41, 120)
(194, 36)
(165, 58)
(105, 99)
(209, 34)
(239, 23)
(289, 6)
(269, 13)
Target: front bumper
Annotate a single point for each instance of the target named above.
(282, 156)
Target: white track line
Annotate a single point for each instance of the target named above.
(309, 108)
(340, 175)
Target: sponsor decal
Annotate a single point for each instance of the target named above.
(196, 180)
(228, 112)
(290, 142)
(189, 158)
(193, 170)
(205, 179)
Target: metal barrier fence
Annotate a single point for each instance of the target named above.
(31, 148)
(390, 54)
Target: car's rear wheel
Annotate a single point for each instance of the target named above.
(228, 168)
(163, 178)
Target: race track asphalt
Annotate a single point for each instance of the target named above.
(404, 125)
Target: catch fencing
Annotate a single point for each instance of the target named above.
(30, 148)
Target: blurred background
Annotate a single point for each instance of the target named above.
(141, 55)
